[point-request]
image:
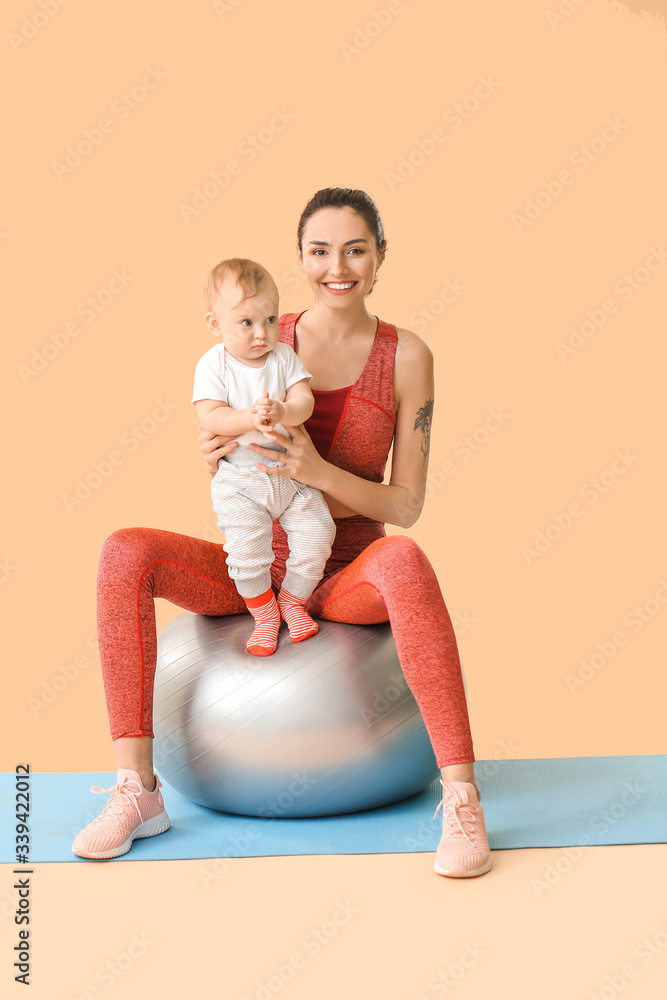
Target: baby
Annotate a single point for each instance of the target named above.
(248, 384)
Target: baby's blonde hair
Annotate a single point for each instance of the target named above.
(248, 275)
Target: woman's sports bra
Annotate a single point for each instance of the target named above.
(353, 427)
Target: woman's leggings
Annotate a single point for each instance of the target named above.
(389, 580)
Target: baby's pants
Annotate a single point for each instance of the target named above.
(247, 501)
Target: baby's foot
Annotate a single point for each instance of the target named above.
(293, 609)
(265, 611)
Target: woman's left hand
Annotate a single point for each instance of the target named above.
(300, 460)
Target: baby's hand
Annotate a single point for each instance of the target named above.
(266, 413)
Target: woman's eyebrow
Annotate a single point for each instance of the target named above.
(323, 243)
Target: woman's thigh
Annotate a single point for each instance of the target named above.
(137, 564)
(374, 584)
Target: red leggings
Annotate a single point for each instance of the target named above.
(389, 580)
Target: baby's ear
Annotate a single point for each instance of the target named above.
(212, 323)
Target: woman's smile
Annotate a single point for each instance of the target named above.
(339, 287)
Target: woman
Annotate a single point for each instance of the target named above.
(373, 386)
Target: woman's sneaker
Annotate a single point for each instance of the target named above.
(464, 848)
(131, 812)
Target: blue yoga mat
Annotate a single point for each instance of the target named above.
(552, 802)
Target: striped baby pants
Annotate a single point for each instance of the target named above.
(247, 501)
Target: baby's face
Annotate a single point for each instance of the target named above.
(249, 327)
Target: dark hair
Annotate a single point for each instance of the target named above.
(358, 201)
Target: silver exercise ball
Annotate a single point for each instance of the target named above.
(321, 727)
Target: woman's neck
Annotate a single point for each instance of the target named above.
(337, 324)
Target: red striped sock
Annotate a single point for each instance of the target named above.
(264, 610)
(292, 609)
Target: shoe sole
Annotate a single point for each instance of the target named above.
(151, 828)
(466, 874)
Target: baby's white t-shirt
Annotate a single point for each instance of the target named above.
(220, 376)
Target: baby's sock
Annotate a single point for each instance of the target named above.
(300, 624)
(264, 610)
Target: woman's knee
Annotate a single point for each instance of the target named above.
(126, 549)
(398, 552)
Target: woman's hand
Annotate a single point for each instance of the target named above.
(300, 460)
(214, 447)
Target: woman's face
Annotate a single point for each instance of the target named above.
(339, 256)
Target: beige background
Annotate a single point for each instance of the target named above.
(356, 101)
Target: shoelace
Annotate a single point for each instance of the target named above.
(456, 806)
(121, 790)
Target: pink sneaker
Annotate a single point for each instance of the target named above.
(464, 848)
(130, 813)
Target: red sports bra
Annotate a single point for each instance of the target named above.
(329, 410)
(353, 427)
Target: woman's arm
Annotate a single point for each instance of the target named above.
(400, 501)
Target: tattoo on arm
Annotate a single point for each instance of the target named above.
(423, 423)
